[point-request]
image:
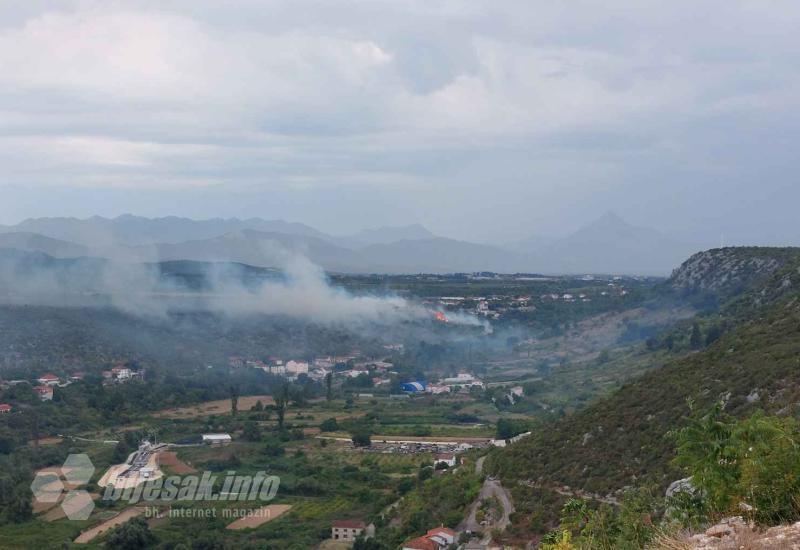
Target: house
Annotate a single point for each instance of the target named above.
(278, 369)
(394, 347)
(45, 392)
(217, 439)
(48, 380)
(297, 367)
(515, 394)
(324, 363)
(437, 389)
(437, 538)
(5, 408)
(447, 458)
(421, 543)
(460, 378)
(443, 536)
(121, 373)
(76, 376)
(347, 529)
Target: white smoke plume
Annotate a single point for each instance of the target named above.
(300, 290)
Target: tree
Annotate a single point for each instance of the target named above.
(367, 543)
(329, 425)
(131, 535)
(281, 401)
(329, 386)
(251, 431)
(18, 509)
(361, 439)
(706, 451)
(121, 452)
(274, 448)
(506, 428)
(234, 400)
(696, 339)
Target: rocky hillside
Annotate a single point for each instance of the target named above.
(728, 271)
(622, 440)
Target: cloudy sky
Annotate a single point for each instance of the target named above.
(488, 121)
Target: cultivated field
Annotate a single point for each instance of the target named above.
(94, 532)
(260, 516)
(176, 465)
(220, 406)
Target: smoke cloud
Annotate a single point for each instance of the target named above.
(297, 288)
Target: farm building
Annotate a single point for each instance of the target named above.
(413, 387)
(216, 439)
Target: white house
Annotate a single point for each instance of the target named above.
(347, 529)
(121, 373)
(447, 458)
(216, 439)
(296, 367)
(48, 380)
(45, 393)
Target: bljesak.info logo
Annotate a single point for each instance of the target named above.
(63, 486)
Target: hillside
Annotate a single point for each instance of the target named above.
(621, 440)
(39, 243)
(728, 271)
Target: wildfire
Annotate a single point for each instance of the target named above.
(441, 317)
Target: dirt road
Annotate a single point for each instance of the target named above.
(491, 488)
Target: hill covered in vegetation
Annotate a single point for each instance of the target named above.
(752, 362)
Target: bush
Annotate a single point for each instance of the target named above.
(755, 461)
(329, 425)
(361, 439)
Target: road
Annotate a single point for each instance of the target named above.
(491, 488)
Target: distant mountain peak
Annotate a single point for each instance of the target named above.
(389, 234)
(611, 219)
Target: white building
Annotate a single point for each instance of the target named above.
(296, 367)
(347, 529)
(48, 380)
(216, 439)
(447, 458)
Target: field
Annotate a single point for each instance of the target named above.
(220, 406)
(91, 534)
(260, 516)
(173, 464)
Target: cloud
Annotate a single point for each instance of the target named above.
(515, 109)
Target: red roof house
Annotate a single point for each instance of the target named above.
(48, 379)
(421, 543)
(45, 392)
(442, 535)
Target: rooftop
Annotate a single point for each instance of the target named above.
(348, 524)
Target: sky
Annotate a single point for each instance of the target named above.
(488, 121)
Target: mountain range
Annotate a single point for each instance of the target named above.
(607, 245)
